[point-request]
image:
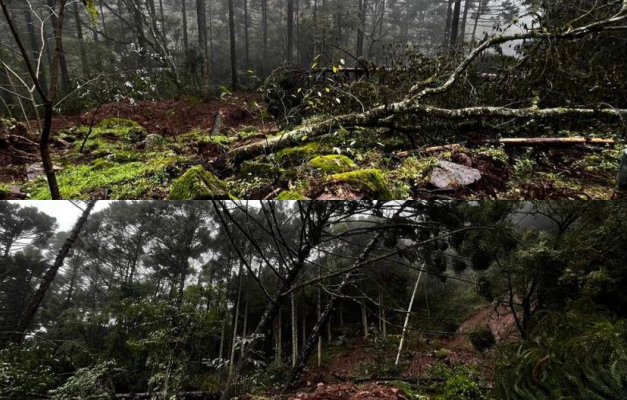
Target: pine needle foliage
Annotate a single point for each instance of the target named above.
(570, 355)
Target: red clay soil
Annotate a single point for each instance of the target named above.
(173, 117)
(349, 391)
(499, 320)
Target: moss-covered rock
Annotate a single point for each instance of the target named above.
(252, 169)
(292, 156)
(333, 164)
(291, 195)
(198, 184)
(370, 180)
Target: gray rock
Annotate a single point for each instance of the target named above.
(34, 171)
(448, 175)
(154, 142)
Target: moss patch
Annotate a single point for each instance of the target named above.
(291, 195)
(252, 169)
(333, 164)
(370, 180)
(293, 156)
(416, 170)
(114, 128)
(124, 181)
(198, 184)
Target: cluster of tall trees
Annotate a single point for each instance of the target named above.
(182, 295)
(205, 43)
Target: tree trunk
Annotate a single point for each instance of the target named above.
(245, 327)
(364, 320)
(290, 30)
(315, 333)
(264, 20)
(185, 37)
(51, 273)
(236, 321)
(294, 331)
(233, 46)
(361, 28)
(56, 18)
(35, 49)
(246, 37)
(455, 25)
(270, 313)
(462, 32)
(79, 36)
(278, 326)
(318, 314)
(447, 28)
(473, 39)
(201, 13)
(411, 305)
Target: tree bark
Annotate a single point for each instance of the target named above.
(185, 36)
(234, 79)
(294, 331)
(79, 36)
(315, 333)
(51, 273)
(201, 13)
(411, 305)
(455, 25)
(34, 44)
(290, 30)
(462, 32)
(56, 18)
(236, 321)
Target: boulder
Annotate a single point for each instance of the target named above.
(450, 176)
(199, 184)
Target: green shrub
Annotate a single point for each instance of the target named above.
(462, 388)
(482, 339)
(90, 382)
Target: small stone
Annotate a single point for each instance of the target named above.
(34, 171)
(463, 159)
(154, 142)
(450, 176)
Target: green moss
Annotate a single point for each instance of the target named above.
(371, 180)
(4, 190)
(291, 195)
(248, 132)
(443, 353)
(252, 169)
(115, 123)
(333, 164)
(416, 170)
(298, 155)
(120, 128)
(132, 180)
(198, 184)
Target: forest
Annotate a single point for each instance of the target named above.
(313, 99)
(313, 300)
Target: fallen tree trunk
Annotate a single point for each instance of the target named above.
(514, 142)
(411, 104)
(372, 118)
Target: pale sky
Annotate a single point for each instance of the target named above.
(65, 213)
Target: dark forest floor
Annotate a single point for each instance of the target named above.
(139, 151)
